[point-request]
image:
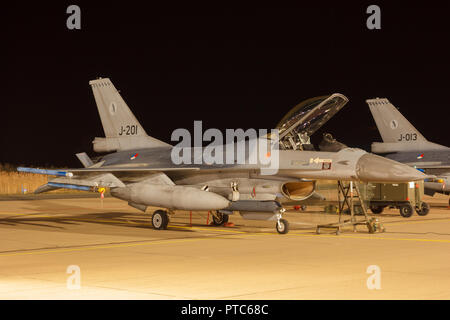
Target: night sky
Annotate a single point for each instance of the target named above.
(229, 66)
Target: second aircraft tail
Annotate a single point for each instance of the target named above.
(397, 132)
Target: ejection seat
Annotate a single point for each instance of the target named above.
(300, 123)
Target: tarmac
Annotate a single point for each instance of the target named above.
(118, 255)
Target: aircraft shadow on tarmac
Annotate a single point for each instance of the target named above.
(106, 218)
(49, 214)
(57, 216)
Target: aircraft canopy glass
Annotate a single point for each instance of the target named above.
(307, 117)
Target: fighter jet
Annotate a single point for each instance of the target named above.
(141, 170)
(402, 142)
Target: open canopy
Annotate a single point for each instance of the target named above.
(307, 117)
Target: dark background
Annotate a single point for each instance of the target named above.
(229, 66)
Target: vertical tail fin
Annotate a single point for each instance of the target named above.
(397, 132)
(392, 125)
(122, 130)
(117, 118)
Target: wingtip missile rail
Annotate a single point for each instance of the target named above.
(58, 173)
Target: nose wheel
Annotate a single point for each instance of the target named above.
(282, 225)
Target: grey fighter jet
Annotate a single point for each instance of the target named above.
(140, 169)
(404, 143)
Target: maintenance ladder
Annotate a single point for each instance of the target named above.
(346, 200)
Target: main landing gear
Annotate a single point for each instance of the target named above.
(219, 218)
(160, 219)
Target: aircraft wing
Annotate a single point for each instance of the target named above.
(69, 172)
(90, 179)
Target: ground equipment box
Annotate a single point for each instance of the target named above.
(406, 197)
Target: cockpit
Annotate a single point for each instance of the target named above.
(300, 123)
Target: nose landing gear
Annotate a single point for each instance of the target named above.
(282, 225)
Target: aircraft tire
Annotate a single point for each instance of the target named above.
(160, 220)
(220, 219)
(284, 226)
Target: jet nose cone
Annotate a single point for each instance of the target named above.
(373, 168)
